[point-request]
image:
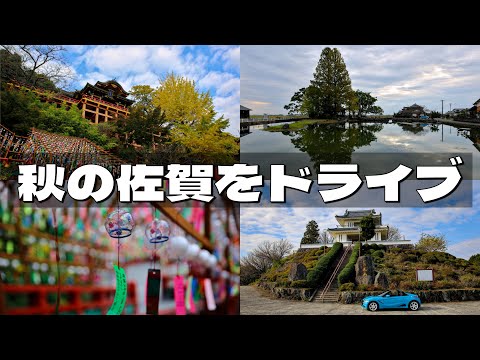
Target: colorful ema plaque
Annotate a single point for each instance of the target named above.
(120, 292)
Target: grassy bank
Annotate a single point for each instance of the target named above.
(297, 125)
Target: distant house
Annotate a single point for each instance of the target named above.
(413, 111)
(475, 110)
(458, 112)
(244, 112)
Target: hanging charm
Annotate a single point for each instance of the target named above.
(157, 234)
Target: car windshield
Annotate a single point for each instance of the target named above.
(385, 293)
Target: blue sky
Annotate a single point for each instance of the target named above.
(214, 68)
(398, 75)
(460, 225)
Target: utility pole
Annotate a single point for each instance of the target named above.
(450, 106)
(442, 107)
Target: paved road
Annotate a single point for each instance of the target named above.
(255, 301)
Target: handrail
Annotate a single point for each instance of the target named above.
(335, 272)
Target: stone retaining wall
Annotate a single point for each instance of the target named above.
(303, 294)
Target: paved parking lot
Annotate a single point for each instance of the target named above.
(255, 301)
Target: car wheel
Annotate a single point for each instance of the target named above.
(373, 306)
(414, 305)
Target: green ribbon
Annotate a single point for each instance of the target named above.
(120, 292)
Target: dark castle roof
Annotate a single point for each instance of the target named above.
(110, 91)
(244, 108)
(357, 214)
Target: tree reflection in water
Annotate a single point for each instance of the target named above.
(414, 128)
(334, 143)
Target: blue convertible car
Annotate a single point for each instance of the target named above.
(392, 300)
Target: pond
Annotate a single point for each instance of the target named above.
(338, 143)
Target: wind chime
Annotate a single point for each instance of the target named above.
(157, 234)
(119, 225)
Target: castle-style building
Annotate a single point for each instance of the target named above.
(348, 230)
(99, 103)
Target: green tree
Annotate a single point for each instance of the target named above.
(367, 226)
(312, 102)
(376, 110)
(366, 104)
(311, 234)
(295, 105)
(143, 96)
(332, 79)
(475, 259)
(352, 103)
(431, 243)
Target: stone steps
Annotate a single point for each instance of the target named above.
(332, 295)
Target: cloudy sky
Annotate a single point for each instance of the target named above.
(397, 75)
(460, 225)
(214, 68)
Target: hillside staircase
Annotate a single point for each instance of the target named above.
(329, 292)
(42, 147)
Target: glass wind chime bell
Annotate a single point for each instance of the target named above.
(157, 234)
(119, 224)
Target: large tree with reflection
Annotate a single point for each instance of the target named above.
(334, 143)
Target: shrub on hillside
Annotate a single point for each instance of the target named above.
(445, 284)
(429, 258)
(301, 284)
(378, 254)
(412, 257)
(347, 287)
(470, 280)
(348, 272)
(415, 285)
(319, 272)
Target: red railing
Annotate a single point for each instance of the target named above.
(96, 98)
(100, 298)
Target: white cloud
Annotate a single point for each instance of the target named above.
(118, 59)
(465, 249)
(229, 107)
(224, 83)
(232, 59)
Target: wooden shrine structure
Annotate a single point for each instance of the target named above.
(99, 103)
